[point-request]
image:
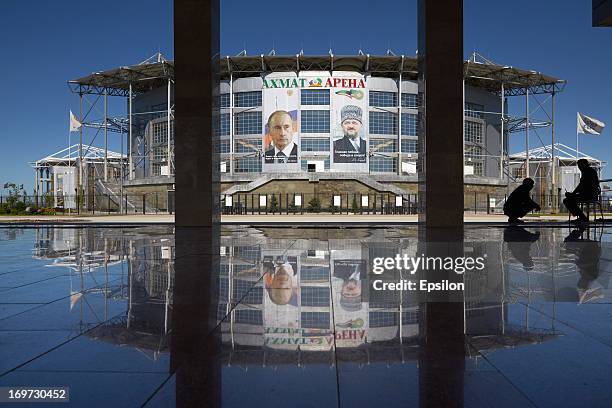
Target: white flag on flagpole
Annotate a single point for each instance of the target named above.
(589, 125)
(75, 125)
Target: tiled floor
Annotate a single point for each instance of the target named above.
(294, 323)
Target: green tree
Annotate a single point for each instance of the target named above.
(354, 205)
(14, 194)
(314, 205)
(273, 203)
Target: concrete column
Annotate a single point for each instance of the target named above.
(194, 350)
(196, 43)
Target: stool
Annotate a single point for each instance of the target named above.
(594, 203)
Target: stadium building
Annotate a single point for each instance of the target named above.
(315, 125)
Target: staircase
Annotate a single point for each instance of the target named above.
(313, 178)
(113, 191)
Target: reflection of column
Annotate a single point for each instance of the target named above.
(130, 153)
(231, 120)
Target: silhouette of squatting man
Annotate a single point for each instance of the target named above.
(519, 203)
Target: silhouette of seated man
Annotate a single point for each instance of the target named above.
(588, 255)
(519, 203)
(587, 190)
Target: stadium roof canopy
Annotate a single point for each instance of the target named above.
(562, 152)
(153, 73)
(70, 155)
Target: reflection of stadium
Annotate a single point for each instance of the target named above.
(257, 330)
(351, 120)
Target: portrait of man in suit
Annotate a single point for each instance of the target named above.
(351, 148)
(282, 149)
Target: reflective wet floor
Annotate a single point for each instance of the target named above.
(287, 317)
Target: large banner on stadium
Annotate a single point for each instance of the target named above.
(347, 119)
(349, 148)
(281, 138)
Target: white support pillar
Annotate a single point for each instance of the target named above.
(553, 167)
(527, 170)
(37, 182)
(399, 120)
(168, 156)
(130, 155)
(80, 183)
(503, 117)
(231, 124)
(121, 175)
(105, 135)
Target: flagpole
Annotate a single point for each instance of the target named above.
(576, 145)
(69, 154)
(578, 121)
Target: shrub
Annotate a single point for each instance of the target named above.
(20, 205)
(47, 211)
(354, 205)
(314, 205)
(273, 204)
(48, 199)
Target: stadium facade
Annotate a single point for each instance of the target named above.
(315, 124)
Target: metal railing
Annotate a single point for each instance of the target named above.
(133, 203)
(270, 203)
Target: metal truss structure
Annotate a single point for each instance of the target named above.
(128, 81)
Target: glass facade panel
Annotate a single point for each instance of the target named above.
(248, 316)
(409, 124)
(383, 165)
(310, 144)
(383, 319)
(409, 146)
(225, 100)
(315, 97)
(474, 110)
(383, 145)
(315, 320)
(410, 100)
(159, 153)
(247, 165)
(224, 126)
(383, 123)
(314, 273)
(315, 121)
(248, 123)
(247, 99)
(315, 296)
(473, 131)
(383, 99)
(224, 146)
(247, 145)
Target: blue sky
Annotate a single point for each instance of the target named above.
(46, 43)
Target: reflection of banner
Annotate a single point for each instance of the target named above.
(349, 124)
(351, 318)
(280, 126)
(280, 300)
